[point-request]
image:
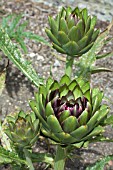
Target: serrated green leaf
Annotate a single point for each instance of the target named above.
(22, 44)
(35, 37)
(15, 56)
(14, 23)
(5, 21)
(11, 24)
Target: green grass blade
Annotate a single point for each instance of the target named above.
(14, 55)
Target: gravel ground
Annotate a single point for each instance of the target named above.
(19, 90)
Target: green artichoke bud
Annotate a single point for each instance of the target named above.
(22, 129)
(72, 31)
(70, 112)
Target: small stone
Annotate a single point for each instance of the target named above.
(39, 57)
(56, 63)
(32, 55)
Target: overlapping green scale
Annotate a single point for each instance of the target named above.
(22, 129)
(72, 31)
(61, 124)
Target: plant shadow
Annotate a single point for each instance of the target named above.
(79, 164)
(15, 79)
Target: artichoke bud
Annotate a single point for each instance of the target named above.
(72, 31)
(22, 129)
(70, 114)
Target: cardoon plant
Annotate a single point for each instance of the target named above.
(70, 112)
(22, 129)
(72, 31)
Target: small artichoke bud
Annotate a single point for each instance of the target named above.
(72, 31)
(22, 129)
(70, 111)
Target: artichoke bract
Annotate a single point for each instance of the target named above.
(22, 129)
(70, 111)
(72, 31)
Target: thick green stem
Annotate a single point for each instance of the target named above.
(60, 158)
(69, 64)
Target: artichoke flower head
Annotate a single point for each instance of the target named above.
(22, 129)
(70, 111)
(72, 31)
